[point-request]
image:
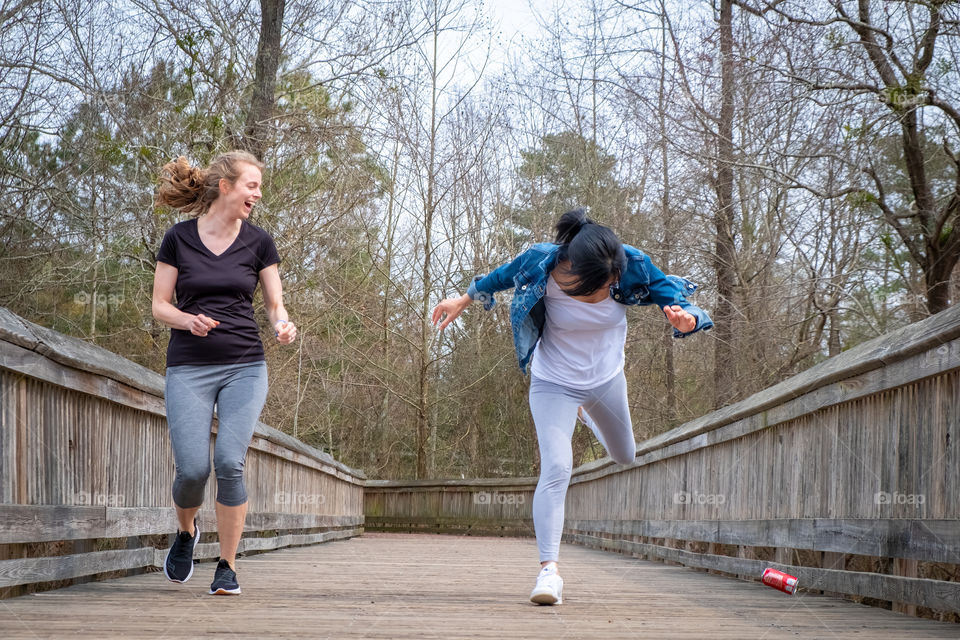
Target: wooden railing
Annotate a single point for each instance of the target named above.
(86, 470)
(473, 507)
(846, 475)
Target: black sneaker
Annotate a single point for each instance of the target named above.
(224, 581)
(178, 566)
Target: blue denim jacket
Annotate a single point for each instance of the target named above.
(641, 283)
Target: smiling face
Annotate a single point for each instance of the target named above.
(239, 197)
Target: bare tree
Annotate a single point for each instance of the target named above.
(263, 98)
(892, 60)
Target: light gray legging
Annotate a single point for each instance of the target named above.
(554, 408)
(239, 391)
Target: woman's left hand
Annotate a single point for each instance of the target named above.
(680, 319)
(286, 332)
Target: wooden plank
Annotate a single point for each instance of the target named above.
(472, 484)
(211, 550)
(8, 436)
(20, 437)
(266, 438)
(14, 331)
(935, 594)
(78, 354)
(806, 480)
(484, 530)
(931, 335)
(706, 432)
(287, 444)
(46, 523)
(927, 540)
(834, 560)
(318, 460)
(36, 365)
(465, 526)
(28, 523)
(435, 504)
(746, 552)
(445, 521)
(74, 364)
(293, 540)
(24, 571)
(402, 586)
(269, 521)
(906, 568)
(38, 570)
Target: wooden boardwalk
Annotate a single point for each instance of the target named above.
(430, 586)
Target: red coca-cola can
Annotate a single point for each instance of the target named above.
(779, 580)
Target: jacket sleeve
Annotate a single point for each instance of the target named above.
(673, 290)
(482, 288)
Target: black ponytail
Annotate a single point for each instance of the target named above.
(594, 251)
(570, 224)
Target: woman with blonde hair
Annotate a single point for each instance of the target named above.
(213, 262)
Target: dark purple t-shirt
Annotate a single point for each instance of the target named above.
(220, 287)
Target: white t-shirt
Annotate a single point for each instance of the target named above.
(582, 342)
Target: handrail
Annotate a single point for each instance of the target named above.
(86, 469)
(845, 475)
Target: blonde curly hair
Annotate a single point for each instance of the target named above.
(192, 189)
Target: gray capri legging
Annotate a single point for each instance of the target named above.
(554, 408)
(239, 392)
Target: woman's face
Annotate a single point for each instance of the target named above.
(567, 282)
(244, 193)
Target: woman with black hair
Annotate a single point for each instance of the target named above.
(569, 315)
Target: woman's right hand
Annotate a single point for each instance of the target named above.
(200, 324)
(449, 309)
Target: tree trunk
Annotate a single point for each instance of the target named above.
(936, 275)
(834, 345)
(429, 207)
(256, 132)
(670, 374)
(938, 258)
(725, 364)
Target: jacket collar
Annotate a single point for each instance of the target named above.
(549, 260)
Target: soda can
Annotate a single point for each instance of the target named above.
(779, 580)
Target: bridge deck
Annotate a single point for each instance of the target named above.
(428, 586)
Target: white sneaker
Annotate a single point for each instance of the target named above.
(549, 587)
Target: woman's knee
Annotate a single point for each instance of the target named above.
(231, 490)
(193, 476)
(624, 456)
(189, 486)
(228, 467)
(556, 470)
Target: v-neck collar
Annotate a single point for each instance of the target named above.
(196, 229)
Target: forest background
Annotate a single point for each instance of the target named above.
(797, 159)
